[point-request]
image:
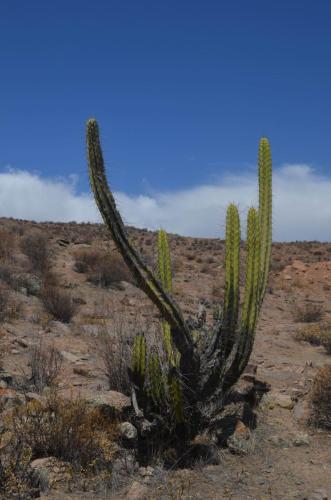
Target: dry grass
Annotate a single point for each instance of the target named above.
(320, 398)
(115, 347)
(308, 312)
(10, 307)
(7, 244)
(45, 365)
(102, 268)
(115, 351)
(35, 245)
(57, 302)
(318, 334)
(69, 430)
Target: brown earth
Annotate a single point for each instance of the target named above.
(288, 459)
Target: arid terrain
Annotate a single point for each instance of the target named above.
(286, 455)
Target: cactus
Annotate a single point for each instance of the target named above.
(138, 363)
(165, 276)
(208, 363)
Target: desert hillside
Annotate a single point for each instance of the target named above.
(69, 312)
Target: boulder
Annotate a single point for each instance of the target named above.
(50, 473)
(110, 402)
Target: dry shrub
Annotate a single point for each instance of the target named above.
(45, 365)
(7, 244)
(308, 312)
(69, 430)
(320, 398)
(35, 245)
(116, 342)
(319, 334)
(58, 302)
(102, 268)
(115, 349)
(277, 264)
(10, 308)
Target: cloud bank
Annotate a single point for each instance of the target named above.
(302, 205)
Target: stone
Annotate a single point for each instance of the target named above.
(278, 441)
(50, 472)
(33, 396)
(82, 371)
(137, 491)
(240, 442)
(128, 432)
(6, 377)
(273, 399)
(69, 356)
(250, 372)
(9, 398)
(146, 471)
(318, 494)
(22, 342)
(110, 402)
(125, 464)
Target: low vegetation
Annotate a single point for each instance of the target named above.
(101, 267)
(320, 398)
(45, 365)
(316, 334)
(308, 312)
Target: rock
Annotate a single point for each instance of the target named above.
(319, 494)
(68, 356)
(137, 491)
(129, 433)
(146, 471)
(50, 472)
(22, 342)
(92, 330)
(6, 377)
(9, 398)
(125, 464)
(278, 441)
(146, 427)
(301, 412)
(33, 396)
(240, 442)
(62, 242)
(273, 399)
(29, 282)
(301, 439)
(110, 402)
(250, 372)
(82, 371)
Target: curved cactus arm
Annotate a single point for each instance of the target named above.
(265, 211)
(112, 218)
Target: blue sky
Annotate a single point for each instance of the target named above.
(182, 90)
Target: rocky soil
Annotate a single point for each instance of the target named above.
(281, 458)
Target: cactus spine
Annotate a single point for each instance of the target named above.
(207, 369)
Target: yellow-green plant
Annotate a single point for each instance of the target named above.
(209, 364)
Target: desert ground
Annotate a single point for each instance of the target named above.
(284, 454)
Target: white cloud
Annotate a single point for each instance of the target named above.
(302, 205)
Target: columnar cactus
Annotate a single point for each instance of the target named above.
(207, 368)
